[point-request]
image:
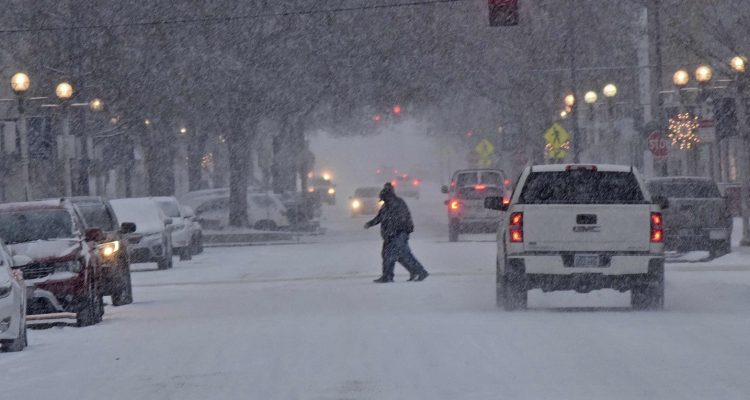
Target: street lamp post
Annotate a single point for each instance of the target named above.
(738, 64)
(703, 75)
(610, 91)
(680, 79)
(570, 104)
(64, 92)
(590, 98)
(20, 83)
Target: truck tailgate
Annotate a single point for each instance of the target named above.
(582, 228)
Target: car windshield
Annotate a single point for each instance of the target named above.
(367, 192)
(491, 178)
(97, 216)
(145, 213)
(170, 208)
(686, 189)
(581, 187)
(27, 226)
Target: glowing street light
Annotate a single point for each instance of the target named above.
(183, 131)
(96, 105)
(590, 97)
(610, 90)
(570, 100)
(703, 74)
(20, 83)
(147, 122)
(681, 78)
(64, 91)
(738, 64)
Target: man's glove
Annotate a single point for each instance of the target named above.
(367, 225)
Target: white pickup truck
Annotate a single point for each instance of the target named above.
(582, 228)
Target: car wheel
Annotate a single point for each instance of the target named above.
(453, 229)
(186, 254)
(123, 293)
(17, 344)
(649, 295)
(515, 295)
(265, 225)
(499, 289)
(196, 245)
(91, 311)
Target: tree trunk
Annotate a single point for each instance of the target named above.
(239, 157)
(196, 148)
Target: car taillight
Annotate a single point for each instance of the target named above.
(506, 200)
(415, 182)
(589, 168)
(506, 182)
(454, 205)
(480, 187)
(516, 227)
(394, 183)
(657, 228)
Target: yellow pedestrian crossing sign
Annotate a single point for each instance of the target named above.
(485, 149)
(556, 135)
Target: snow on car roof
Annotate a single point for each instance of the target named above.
(599, 167)
(32, 205)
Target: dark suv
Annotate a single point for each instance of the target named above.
(115, 277)
(467, 191)
(64, 274)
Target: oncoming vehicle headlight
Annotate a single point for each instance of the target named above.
(311, 190)
(331, 191)
(356, 204)
(380, 203)
(67, 266)
(108, 249)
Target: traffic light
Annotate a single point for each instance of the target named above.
(503, 12)
(396, 109)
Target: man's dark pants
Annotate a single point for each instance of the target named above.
(397, 249)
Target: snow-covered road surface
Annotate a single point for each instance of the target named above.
(305, 322)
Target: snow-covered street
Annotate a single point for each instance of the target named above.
(306, 322)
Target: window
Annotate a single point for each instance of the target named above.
(27, 226)
(97, 216)
(684, 188)
(581, 187)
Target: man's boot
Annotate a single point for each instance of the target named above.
(383, 279)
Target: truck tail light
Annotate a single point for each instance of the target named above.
(516, 227)
(587, 168)
(480, 187)
(657, 228)
(454, 205)
(506, 200)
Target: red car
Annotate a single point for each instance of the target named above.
(63, 277)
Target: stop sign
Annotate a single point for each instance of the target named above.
(658, 146)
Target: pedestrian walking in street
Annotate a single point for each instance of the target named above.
(396, 224)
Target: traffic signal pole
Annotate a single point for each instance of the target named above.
(574, 81)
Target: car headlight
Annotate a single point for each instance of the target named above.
(380, 203)
(67, 266)
(5, 290)
(331, 191)
(109, 249)
(356, 204)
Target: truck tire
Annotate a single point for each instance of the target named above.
(649, 295)
(453, 229)
(513, 283)
(719, 248)
(122, 294)
(185, 254)
(19, 343)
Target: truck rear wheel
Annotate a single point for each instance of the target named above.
(649, 295)
(513, 288)
(453, 229)
(92, 309)
(122, 293)
(719, 248)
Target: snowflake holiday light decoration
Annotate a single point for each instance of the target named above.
(683, 131)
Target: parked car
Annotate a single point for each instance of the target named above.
(12, 301)
(65, 274)
(467, 191)
(115, 277)
(152, 239)
(366, 201)
(196, 230)
(182, 227)
(582, 228)
(699, 217)
(265, 212)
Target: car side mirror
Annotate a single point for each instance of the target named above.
(127, 227)
(95, 235)
(168, 221)
(444, 189)
(495, 203)
(21, 261)
(661, 201)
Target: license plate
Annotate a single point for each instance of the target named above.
(586, 261)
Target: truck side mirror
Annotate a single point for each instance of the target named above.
(444, 189)
(127, 227)
(495, 203)
(661, 201)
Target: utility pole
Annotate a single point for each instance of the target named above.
(574, 81)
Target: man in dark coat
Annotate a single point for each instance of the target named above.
(395, 226)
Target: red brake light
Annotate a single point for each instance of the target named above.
(479, 187)
(506, 200)
(394, 183)
(506, 182)
(657, 228)
(516, 227)
(589, 168)
(415, 182)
